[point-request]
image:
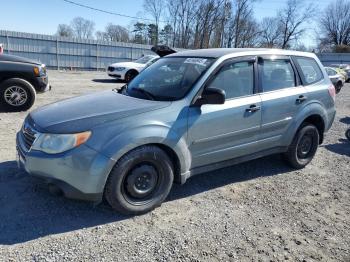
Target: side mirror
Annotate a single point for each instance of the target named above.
(211, 96)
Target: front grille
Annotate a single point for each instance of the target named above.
(28, 135)
(110, 68)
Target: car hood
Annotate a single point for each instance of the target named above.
(18, 59)
(84, 112)
(128, 65)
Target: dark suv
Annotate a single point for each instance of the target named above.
(20, 80)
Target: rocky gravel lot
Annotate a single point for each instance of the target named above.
(256, 211)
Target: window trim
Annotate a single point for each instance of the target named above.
(297, 80)
(300, 71)
(248, 58)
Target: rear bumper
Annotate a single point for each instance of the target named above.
(80, 173)
(331, 116)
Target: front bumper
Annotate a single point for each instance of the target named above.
(41, 84)
(116, 74)
(80, 173)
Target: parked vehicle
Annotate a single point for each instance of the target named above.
(20, 80)
(188, 113)
(341, 72)
(128, 70)
(344, 67)
(337, 79)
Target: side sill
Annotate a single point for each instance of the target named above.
(230, 162)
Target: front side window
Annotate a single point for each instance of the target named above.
(310, 70)
(144, 59)
(236, 79)
(277, 74)
(169, 78)
(331, 72)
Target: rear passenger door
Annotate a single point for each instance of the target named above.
(282, 95)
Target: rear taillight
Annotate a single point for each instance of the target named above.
(331, 90)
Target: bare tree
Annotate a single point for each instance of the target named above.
(270, 35)
(173, 11)
(82, 28)
(64, 30)
(155, 8)
(116, 33)
(240, 22)
(101, 36)
(208, 21)
(292, 19)
(335, 24)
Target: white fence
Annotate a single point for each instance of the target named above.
(59, 52)
(334, 58)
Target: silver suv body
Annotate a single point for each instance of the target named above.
(188, 113)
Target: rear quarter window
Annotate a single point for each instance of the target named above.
(310, 70)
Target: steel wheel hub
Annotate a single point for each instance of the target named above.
(142, 181)
(304, 146)
(15, 96)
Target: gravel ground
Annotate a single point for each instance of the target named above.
(256, 211)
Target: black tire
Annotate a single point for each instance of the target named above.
(16, 95)
(123, 190)
(130, 75)
(338, 87)
(303, 147)
(347, 134)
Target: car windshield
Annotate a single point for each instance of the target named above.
(144, 59)
(168, 79)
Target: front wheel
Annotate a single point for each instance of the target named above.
(140, 181)
(303, 147)
(130, 75)
(17, 94)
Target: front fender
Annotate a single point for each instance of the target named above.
(312, 108)
(150, 134)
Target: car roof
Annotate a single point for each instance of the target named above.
(219, 52)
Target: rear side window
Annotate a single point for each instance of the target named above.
(310, 71)
(277, 74)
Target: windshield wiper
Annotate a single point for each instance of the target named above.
(144, 92)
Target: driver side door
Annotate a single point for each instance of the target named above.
(222, 132)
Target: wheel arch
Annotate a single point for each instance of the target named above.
(318, 121)
(163, 137)
(312, 113)
(18, 76)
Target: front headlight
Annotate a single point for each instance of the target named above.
(58, 143)
(40, 70)
(119, 68)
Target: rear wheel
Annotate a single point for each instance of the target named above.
(304, 146)
(140, 181)
(17, 94)
(130, 75)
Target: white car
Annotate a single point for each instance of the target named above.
(128, 70)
